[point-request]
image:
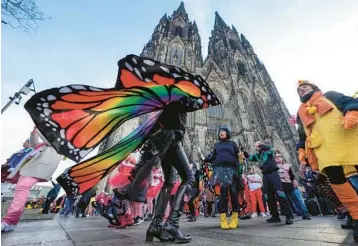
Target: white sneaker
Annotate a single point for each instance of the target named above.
(5, 227)
(263, 215)
(254, 215)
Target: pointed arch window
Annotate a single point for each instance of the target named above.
(233, 44)
(178, 31)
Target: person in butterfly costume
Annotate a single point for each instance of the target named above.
(166, 140)
(75, 119)
(330, 143)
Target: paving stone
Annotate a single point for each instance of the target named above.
(94, 235)
(93, 231)
(16, 238)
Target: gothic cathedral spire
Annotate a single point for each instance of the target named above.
(176, 41)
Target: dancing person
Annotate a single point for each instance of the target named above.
(290, 184)
(166, 142)
(224, 159)
(39, 168)
(255, 183)
(273, 189)
(328, 141)
(143, 86)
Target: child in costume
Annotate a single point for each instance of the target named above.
(255, 183)
(328, 137)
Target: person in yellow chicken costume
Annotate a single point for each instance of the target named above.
(327, 126)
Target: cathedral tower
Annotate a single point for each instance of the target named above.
(250, 103)
(176, 41)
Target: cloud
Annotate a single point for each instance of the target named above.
(309, 44)
(326, 58)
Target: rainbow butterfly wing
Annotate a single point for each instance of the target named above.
(76, 118)
(83, 176)
(135, 71)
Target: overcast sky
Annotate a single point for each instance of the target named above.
(81, 44)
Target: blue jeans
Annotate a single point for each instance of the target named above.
(298, 201)
(68, 206)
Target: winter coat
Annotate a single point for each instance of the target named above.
(16, 158)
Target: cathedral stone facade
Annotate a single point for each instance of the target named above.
(250, 103)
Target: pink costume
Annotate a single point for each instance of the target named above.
(156, 183)
(120, 180)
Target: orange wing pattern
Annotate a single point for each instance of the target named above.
(76, 118)
(135, 71)
(83, 176)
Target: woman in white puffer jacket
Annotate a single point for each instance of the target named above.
(38, 167)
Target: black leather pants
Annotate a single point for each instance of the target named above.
(167, 147)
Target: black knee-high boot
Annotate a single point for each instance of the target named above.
(155, 227)
(171, 229)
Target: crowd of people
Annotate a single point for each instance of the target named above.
(157, 182)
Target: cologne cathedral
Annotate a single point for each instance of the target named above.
(250, 103)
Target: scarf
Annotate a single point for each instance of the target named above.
(316, 104)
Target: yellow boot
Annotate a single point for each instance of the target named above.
(224, 225)
(234, 220)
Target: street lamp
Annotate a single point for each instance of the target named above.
(26, 89)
